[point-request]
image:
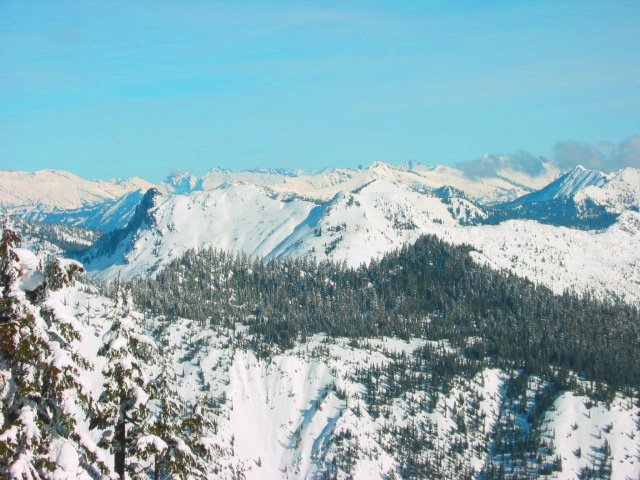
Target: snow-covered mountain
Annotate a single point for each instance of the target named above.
(52, 196)
(565, 186)
(581, 198)
(377, 218)
(364, 224)
(55, 189)
(619, 193)
(504, 183)
(239, 218)
(104, 216)
(354, 215)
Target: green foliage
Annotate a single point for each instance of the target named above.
(429, 289)
(41, 388)
(123, 406)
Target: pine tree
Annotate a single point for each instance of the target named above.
(41, 390)
(22, 347)
(123, 404)
(171, 428)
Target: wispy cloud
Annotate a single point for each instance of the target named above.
(604, 156)
(489, 165)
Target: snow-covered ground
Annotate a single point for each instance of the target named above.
(606, 263)
(295, 415)
(580, 427)
(361, 409)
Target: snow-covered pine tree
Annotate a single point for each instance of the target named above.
(123, 406)
(23, 452)
(172, 424)
(199, 428)
(41, 390)
(75, 401)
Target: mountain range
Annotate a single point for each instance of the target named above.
(380, 322)
(555, 227)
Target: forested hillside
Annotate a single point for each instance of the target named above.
(430, 289)
(421, 365)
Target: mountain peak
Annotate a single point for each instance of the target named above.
(182, 183)
(381, 170)
(571, 183)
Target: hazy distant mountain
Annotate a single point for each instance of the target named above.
(56, 189)
(181, 183)
(505, 183)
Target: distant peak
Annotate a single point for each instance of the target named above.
(287, 172)
(178, 174)
(380, 169)
(581, 172)
(182, 182)
(378, 165)
(410, 165)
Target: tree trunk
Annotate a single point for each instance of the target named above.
(121, 443)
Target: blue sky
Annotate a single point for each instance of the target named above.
(132, 88)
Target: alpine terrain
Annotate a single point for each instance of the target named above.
(381, 322)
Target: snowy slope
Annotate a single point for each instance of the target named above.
(105, 216)
(364, 224)
(48, 189)
(369, 222)
(606, 262)
(318, 408)
(580, 427)
(620, 192)
(239, 218)
(566, 186)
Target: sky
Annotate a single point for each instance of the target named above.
(115, 89)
